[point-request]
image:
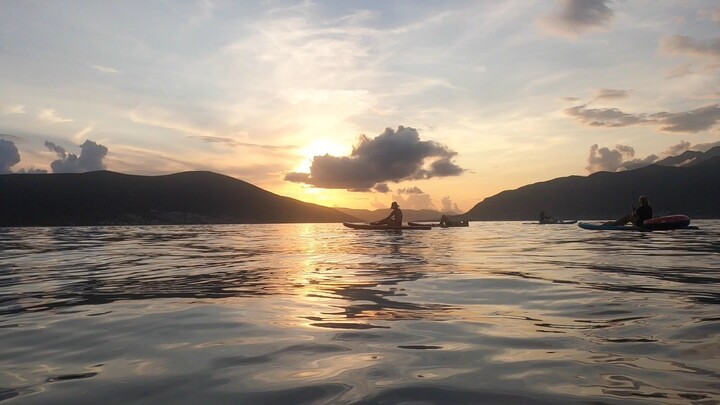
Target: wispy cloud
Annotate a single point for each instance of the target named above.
(14, 109)
(162, 118)
(680, 71)
(610, 94)
(712, 14)
(105, 69)
(684, 45)
(50, 115)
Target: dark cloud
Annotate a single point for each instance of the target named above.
(381, 188)
(90, 159)
(577, 17)
(695, 120)
(699, 119)
(683, 45)
(391, 156)
(9, 156)
(604, 117)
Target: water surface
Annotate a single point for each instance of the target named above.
(500, 312)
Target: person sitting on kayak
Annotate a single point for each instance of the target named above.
(395, 217)
(546, 219)
(638, 216)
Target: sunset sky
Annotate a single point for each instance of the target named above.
(435, 104)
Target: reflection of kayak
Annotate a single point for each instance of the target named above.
(665, 223)
(566, 222)
(355, 225)
(459, 224)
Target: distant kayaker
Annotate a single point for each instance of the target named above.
(546, 219)
(395, 217)
(638, 215)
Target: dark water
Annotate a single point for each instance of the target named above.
(293, 314)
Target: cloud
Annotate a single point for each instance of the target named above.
(448, 205)
(391, 156)
(695, 120)
(50, 115)
(9, 156)
(699, 119)
(577, 17)
(677, 149)
(680, 71)
(604, 117)
(710, 14)
(32, 170)
(637, 163)
(90, 159)
(626, 150)
(704, 147)
(611, 94)
(14, 109)
(381, 188)
(683, 45)
(410, 190)
(105, 69)
(604, 159)
(232, 142)
(415, 201)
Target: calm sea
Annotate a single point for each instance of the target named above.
(500, 312)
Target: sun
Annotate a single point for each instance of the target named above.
(319, 147)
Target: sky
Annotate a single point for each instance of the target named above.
(358, 103)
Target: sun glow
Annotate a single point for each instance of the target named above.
(319, 147)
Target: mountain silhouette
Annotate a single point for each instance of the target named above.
(693, 190)
(108, 198)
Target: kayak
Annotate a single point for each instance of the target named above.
(355, 225)
(463, 224)
(665, 223)
(603, 227)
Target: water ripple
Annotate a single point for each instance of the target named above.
(497, 312)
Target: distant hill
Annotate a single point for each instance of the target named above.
(108, 198)
(408, 215)
(693, 190)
